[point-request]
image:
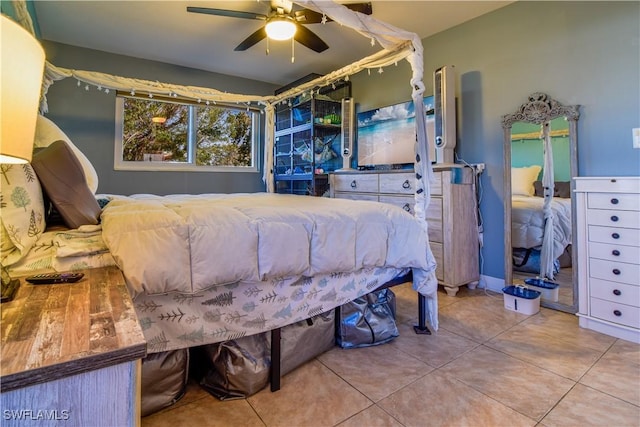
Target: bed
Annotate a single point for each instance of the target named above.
(294, 257)
(527, 215)
(527, 223)
(237, 264)
(212, 267)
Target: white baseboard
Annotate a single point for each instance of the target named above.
(491, 283)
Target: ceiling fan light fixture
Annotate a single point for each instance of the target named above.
(280, 28)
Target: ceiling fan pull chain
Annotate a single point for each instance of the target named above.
(293, 55)
(267, 51)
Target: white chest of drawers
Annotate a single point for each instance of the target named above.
(608, 237)
(453, 230)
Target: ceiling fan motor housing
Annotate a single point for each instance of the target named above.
(282, 13)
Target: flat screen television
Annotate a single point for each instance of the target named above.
(386, 136)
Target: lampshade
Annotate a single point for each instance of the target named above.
(280, 28)
(22, 65)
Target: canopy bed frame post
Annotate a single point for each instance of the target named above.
(421, 327)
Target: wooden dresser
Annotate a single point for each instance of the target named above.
(453, 230)
(71, 354)
(608, 237)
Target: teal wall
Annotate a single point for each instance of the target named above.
(88, 118)
(527, 152)
(585, 53)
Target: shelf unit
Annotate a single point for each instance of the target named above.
(307, 141)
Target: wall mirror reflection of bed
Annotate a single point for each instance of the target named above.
(540, 158)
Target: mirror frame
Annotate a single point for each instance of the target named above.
(539, 109)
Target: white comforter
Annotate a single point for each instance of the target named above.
(527, 223)
(188, 243)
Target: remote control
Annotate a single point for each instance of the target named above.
(49, 278)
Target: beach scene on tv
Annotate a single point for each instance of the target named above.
(386, 136)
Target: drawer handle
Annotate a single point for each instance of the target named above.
(354, 184)
(617, 313)
(406, 184)
(617, 292)
(615, 252)
(614, 218)
(615, 235)
(614, 201)
(616, 271)
(407, 207)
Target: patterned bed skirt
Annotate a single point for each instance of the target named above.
(172, 321)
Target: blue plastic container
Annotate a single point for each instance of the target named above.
(521, 292)
(548, 289)
(541, 283)
(521, 299)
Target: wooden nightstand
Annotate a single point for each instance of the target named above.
(71, 353)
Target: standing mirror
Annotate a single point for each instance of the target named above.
(540, 160)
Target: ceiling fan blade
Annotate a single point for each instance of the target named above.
(225, 12)
(308, 16)
(254, 38)
(307, 38)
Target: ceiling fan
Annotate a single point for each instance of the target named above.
(283, 14)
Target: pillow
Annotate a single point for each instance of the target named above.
(522, 180)
(48, 132)
(62, 178)
(22, 221)
(561, 189)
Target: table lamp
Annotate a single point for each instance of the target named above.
(21, 69)
(22, 65)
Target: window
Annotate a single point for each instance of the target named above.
(163, 134)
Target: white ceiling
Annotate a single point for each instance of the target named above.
(164, 31)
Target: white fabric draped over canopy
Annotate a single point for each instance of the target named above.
(548, 182)
(397, 44)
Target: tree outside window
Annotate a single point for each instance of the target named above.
(162, 133)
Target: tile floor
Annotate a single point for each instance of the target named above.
(486, 366)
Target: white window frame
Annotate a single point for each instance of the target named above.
(189, 166)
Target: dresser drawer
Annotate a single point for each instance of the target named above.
(405, 202)
(615, 312)
(614, 235)
(627, 184)
(363, 183)
(613, 218)
(398, 183)
(622, 202)
(615, 292)
(616, 253)
(357, 196)
(438, 254)
(619, 272)
(434, 220)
